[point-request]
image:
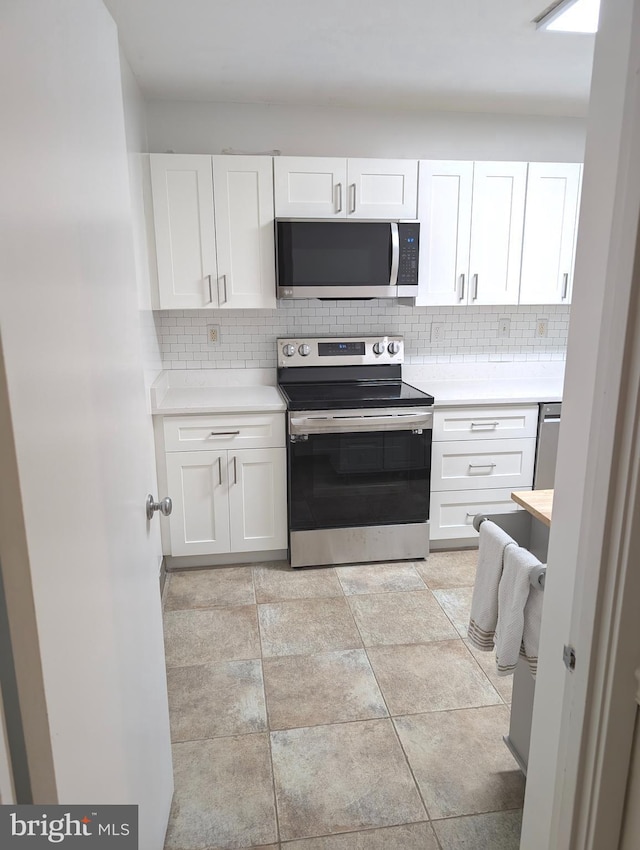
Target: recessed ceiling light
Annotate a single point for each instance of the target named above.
(571, 16)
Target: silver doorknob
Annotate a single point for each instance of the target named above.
(165, 506)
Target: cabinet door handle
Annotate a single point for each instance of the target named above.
(565, 285)
(475, 286)
(224, 433)
(339, 192)
(235, 469)
(462, 281)
(210, 301)
(224, 289)
(482, 465)
(220, 470)
(352, 192)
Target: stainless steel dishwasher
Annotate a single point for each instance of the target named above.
(547, 447)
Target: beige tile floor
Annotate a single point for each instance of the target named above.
(336, 709)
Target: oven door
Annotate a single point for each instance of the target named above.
(337, 259)
(355, 469)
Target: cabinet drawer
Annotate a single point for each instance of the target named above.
(485, 423)
(479, 464)
(209, 433)
(452, 513)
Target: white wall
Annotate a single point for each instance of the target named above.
(199, 127)
(137, 146)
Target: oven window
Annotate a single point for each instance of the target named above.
(329, 253)
(342, 480)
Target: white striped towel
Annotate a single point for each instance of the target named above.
(484, 602)
(532, 620)
(519, 609)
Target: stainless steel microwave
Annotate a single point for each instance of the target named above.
(347, 259)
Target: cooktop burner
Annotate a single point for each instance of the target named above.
(345, 373)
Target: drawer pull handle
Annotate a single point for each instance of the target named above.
(484, 424)
(224, 433)
(482, 465)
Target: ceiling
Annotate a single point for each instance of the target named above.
(462, 55)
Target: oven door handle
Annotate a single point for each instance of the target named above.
(336, 424)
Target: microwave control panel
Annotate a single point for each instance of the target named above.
(409, 237)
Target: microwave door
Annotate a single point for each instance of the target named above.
(327, 259)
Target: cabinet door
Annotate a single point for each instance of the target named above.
(382, 188)
(198, 483)
(182, 188)
(497, 218)
(258, 499)
(243, 196)
(444, 211)
(549, 232)
(310, 187)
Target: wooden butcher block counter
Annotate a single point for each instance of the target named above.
(539, 503)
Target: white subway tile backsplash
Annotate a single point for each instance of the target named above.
(469, 334)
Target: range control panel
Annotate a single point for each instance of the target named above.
(340, 351)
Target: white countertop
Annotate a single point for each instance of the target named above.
(216, 391)
(452, 385)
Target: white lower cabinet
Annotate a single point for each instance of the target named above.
(225, 499)
(474, 468)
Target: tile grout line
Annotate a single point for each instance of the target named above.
(395, 732)
(266, 712)
(353, 832)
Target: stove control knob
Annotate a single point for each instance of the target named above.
(393, 347)
(288, 350)
(304, 349)
(379, 347)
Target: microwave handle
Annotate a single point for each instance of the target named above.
(395, 254)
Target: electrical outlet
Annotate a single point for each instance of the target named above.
(504, 327)
(213, 334)
(542, 326)
(437, 332)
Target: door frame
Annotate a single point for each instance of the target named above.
(583, 725)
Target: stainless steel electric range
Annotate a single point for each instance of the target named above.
(359, 451)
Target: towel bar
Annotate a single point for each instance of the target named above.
(537, 577)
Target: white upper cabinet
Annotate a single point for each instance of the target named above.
(444, 210)
(471, 220)
(186, 189)
(549, 233)
(382, 188)
(184, 229)
(243, 196)
(497, 217)
(332, 187)
(310, 187)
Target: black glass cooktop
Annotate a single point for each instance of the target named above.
(353, 395)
